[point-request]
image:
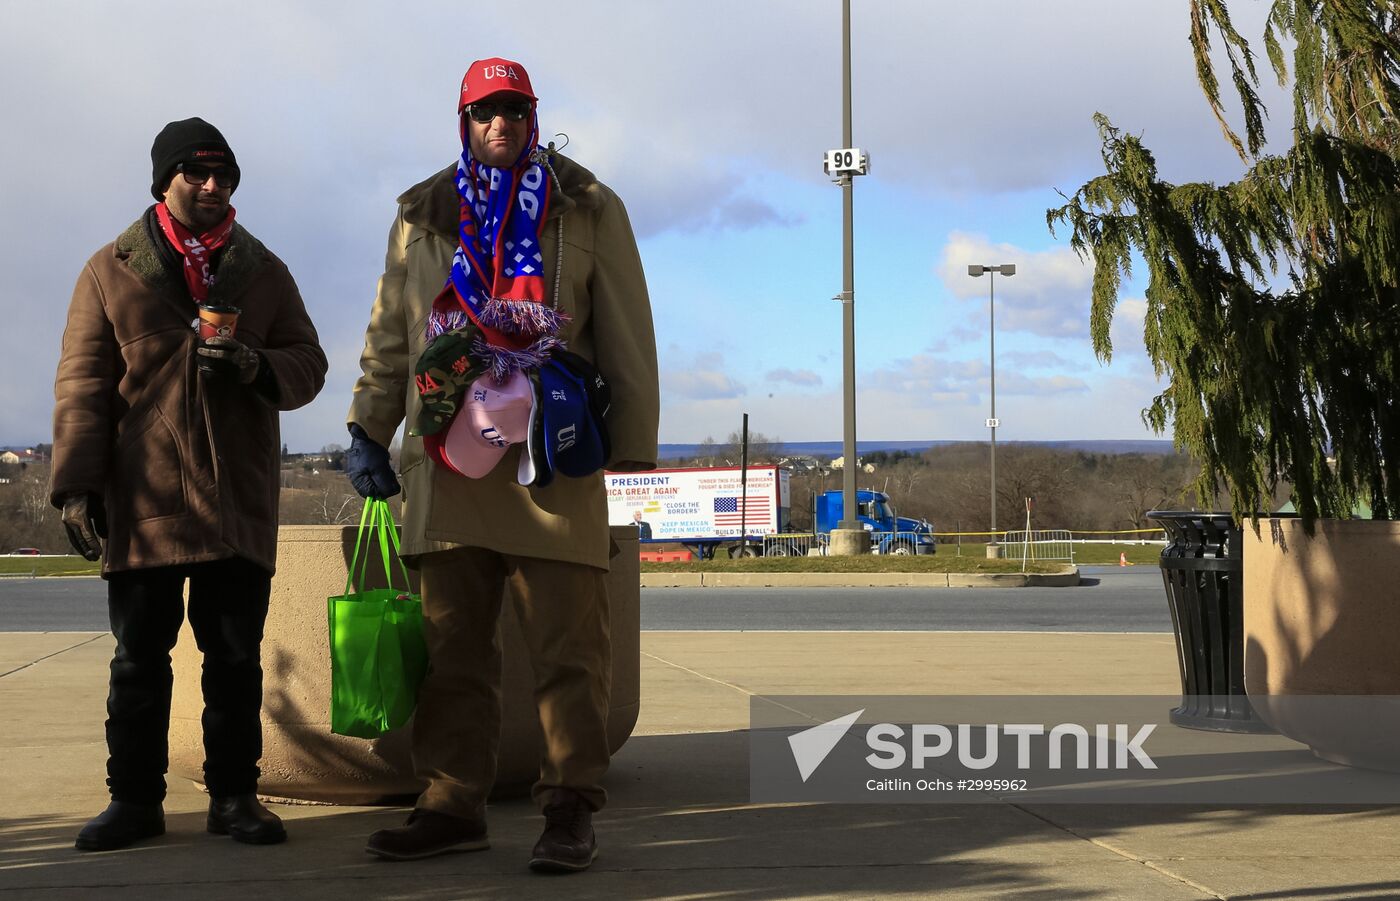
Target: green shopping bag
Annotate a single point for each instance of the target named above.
(378, 655)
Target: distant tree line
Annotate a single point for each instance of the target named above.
(313, 493)
(950, 485)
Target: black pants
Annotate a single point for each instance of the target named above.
(227, 608)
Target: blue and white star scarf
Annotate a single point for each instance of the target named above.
(497, 279)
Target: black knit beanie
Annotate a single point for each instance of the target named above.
(187, 141)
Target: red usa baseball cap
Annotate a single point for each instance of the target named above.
(492, 76)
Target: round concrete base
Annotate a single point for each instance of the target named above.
(848, 543)
(303, 760)
(993, 552)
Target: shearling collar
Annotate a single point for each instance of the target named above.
(240, 260)
(434, 205)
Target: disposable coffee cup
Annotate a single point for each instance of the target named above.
(216, 321)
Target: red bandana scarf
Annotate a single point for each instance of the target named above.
(195, 250)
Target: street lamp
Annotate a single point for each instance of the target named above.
(844, 163)
(1007, 269)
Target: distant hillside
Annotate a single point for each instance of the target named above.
(830, 449)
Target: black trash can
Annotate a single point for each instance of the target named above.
(1203, 572)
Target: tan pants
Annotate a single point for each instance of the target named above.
(563, 613)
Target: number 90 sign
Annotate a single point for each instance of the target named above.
(846, 159)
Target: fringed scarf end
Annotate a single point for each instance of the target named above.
(440, 321)
(503, 361)
(521, 317)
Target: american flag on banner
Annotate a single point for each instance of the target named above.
(755, 514)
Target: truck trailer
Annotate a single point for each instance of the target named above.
(703, 509)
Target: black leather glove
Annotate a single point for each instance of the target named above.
(367, 465)
(226, 356)
(85, 520)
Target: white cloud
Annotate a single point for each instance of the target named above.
(1045, 411)
(930, 380)
(801, 377)
(953, 336)
(1048, 295)
(1036, 359)
(703, 379)
(927, 378)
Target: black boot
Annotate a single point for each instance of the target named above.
(567, 844)
(245, 819)
(121, 824)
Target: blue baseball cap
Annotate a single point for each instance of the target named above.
(575, 442)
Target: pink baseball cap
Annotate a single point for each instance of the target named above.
(492, 76)
(493, 417)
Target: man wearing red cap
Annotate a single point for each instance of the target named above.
(515, 252)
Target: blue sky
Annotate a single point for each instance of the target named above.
(709, 120)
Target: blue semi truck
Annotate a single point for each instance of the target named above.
(889, 534)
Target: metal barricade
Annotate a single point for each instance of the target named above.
(1039, 545)
(793, 544)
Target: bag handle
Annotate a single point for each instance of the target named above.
(355, 560)
(376, 515)
(389, 538)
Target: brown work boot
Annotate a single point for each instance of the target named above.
(428, 833)
(568, 844)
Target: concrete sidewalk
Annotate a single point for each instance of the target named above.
(679, 824)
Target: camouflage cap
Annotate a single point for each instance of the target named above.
(444, 372)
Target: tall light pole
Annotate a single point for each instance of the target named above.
(845, 163)
(1007, 269)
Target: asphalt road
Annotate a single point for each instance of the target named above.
(1109, 600)
(53, 605)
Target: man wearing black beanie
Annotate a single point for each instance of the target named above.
(193, 141)
(166, 444)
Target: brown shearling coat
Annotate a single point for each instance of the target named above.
(188, 467)
(601, 287)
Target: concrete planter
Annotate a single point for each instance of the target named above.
(303, 760)
(1321, 617)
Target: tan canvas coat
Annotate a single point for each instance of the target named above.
(189, 468)
(601, 288)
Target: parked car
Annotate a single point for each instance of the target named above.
(25, 552)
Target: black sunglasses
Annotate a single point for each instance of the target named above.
(510, 110)
(196, 174)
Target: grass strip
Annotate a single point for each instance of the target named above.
(48, 566)
(973, 559)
